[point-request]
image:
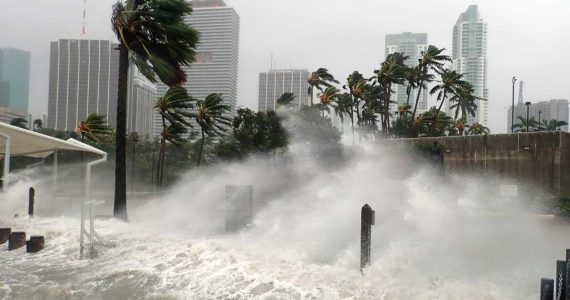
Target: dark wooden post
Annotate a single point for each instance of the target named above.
(17, 240)
(31, 201)
(561, 280)
(546, 288)
(366, 222)
(4, 235)
(35, 244)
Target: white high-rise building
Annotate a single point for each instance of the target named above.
(469, 54)
(411, 45)
(274, 83)
(216, 66)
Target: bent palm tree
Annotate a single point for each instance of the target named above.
(19, 122)
(321, 77)
(450, 84)
(286, 99)
(431, 59)
(158, 41)
(391, 71)
(464, 102)
(173, 108)
(38, 124)
(94, 128)
(478, 129)
(209, 115)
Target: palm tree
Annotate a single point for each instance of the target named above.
(321, 77)
(450, 84)
(94, 128)
(431, 59)
(531, 124)
(173, 108)
(411, 81)
(154, 35)
(38, 124)
(326, 98)
(392, 71)
(552, 125)
(209, 115)
(286, 99)
(19, 122)
(342, 106)
(478, 129)
(459, 126)
(464, 101)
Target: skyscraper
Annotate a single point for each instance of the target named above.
(216, 66)
(469, 56)
(14, 79)
(274, 83)
(83, 80)
(411, 45)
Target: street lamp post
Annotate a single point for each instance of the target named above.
(527, 109)
(513, 106)
(539, 113)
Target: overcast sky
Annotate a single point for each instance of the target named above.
(529, 39)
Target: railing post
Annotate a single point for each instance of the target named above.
(31, 200)
(566, 285)
(366, 222)
(546, 288)
(561, 280)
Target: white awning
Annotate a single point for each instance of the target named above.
(33, 144)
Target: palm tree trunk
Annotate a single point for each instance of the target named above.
(417, 100)
(120, 201)
(441, 104)
(201, 148)
(311, 88)
(160, 162)
(133, 168)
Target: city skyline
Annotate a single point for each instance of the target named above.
(505, 19)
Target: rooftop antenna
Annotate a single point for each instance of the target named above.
(521, 84)
(83, 21)
(271, 62)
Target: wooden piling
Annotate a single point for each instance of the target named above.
(35, 244)
(560, 280)
(5, 235)
(31, 201)
(17, 240)
(366, 222)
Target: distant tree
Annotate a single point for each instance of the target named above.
(94, 128)
(431, 59)
(174, 109)
(391, 72)
(523, 124)
(38, 124)
(19, 122)
(319, 79)
(210, 117)
(552, 125)
(286, 99)
(478, 129)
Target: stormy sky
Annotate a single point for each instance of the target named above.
(528, 39)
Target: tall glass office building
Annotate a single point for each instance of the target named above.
(14, 80)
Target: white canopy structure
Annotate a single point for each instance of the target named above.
(16, 141)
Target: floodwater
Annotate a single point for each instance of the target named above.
(435, 237)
